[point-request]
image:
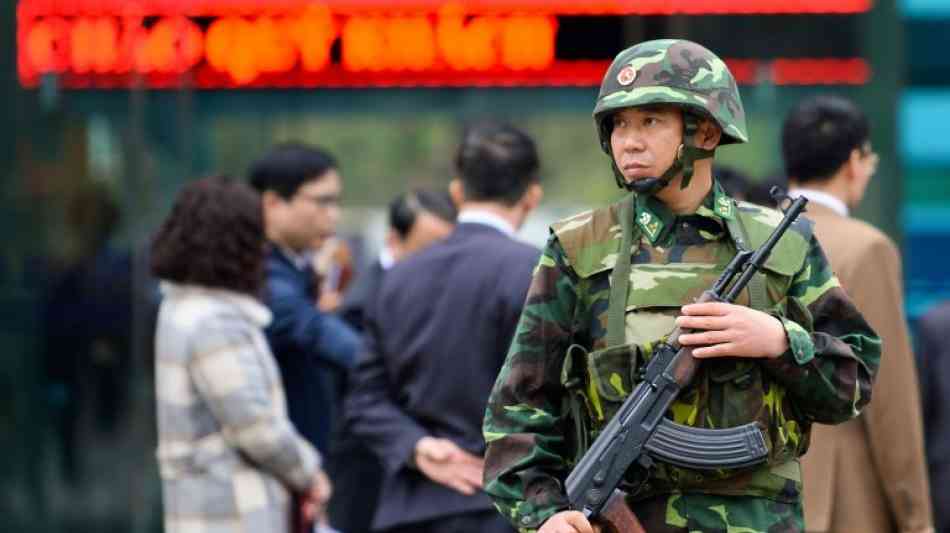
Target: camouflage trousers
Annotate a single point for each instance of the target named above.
(705, 513)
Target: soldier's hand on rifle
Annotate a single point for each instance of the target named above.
(728, 330)
(568, 522)
(442, 461)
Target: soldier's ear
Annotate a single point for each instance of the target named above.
(708, 135)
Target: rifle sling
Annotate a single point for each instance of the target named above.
(620, 279)
(758, 295)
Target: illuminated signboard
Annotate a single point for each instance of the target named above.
(354, 43)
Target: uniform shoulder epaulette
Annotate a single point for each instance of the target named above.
(590, 239)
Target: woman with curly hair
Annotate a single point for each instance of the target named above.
(228, 454)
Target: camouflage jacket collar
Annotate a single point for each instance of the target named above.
(656, 221)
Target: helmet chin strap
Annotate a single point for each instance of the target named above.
(686, 155)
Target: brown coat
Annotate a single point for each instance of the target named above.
(869, 474)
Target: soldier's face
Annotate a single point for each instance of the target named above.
(645, 139)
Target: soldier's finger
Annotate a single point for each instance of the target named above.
(728, 349)
(701, 322)
(579, 522)
(707, 309)
(705, 338)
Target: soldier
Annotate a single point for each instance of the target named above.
(792, 351)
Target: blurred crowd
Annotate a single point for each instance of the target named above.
(299, 388)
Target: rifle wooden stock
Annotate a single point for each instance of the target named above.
(685, 366)
(617, 517)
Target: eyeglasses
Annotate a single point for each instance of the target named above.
(322, 201)
(867, 152)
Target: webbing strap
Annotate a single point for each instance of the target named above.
(620, 278)
(573, 373)
(758, 294)
(689, 152)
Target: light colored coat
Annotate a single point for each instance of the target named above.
(869, 475)
(227, 451)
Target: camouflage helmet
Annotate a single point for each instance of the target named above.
(672, 71)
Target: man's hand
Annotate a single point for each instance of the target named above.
(731, 331)
(315, 500)
(442, 461)
(329, 301)
(568, 522)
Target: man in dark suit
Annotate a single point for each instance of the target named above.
(933, 358)
(417, 219)
(300, 193)
(437, 335)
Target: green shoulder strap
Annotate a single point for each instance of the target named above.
(758, 295)
(575, 360)
(620, 278)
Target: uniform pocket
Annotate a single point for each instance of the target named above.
(611, 378)
(736, 394)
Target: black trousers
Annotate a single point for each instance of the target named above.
(476, 522)
(357, 475)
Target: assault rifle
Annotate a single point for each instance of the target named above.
(639, 433)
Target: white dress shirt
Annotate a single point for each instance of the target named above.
(828, 200)
(487, 218)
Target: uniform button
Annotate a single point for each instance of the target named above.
(526, 520)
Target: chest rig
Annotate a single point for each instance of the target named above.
(579, 376)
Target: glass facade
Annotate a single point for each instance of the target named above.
(925, 153)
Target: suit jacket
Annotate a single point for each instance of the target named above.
(353, 467)
(363, 291)
(313, 349)
(437, 336)
(869, 474)
(227, 452)
(933, 358)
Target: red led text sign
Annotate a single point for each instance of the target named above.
(217, 8)
(289, 43)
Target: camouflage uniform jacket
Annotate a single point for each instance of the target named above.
(825, 376)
